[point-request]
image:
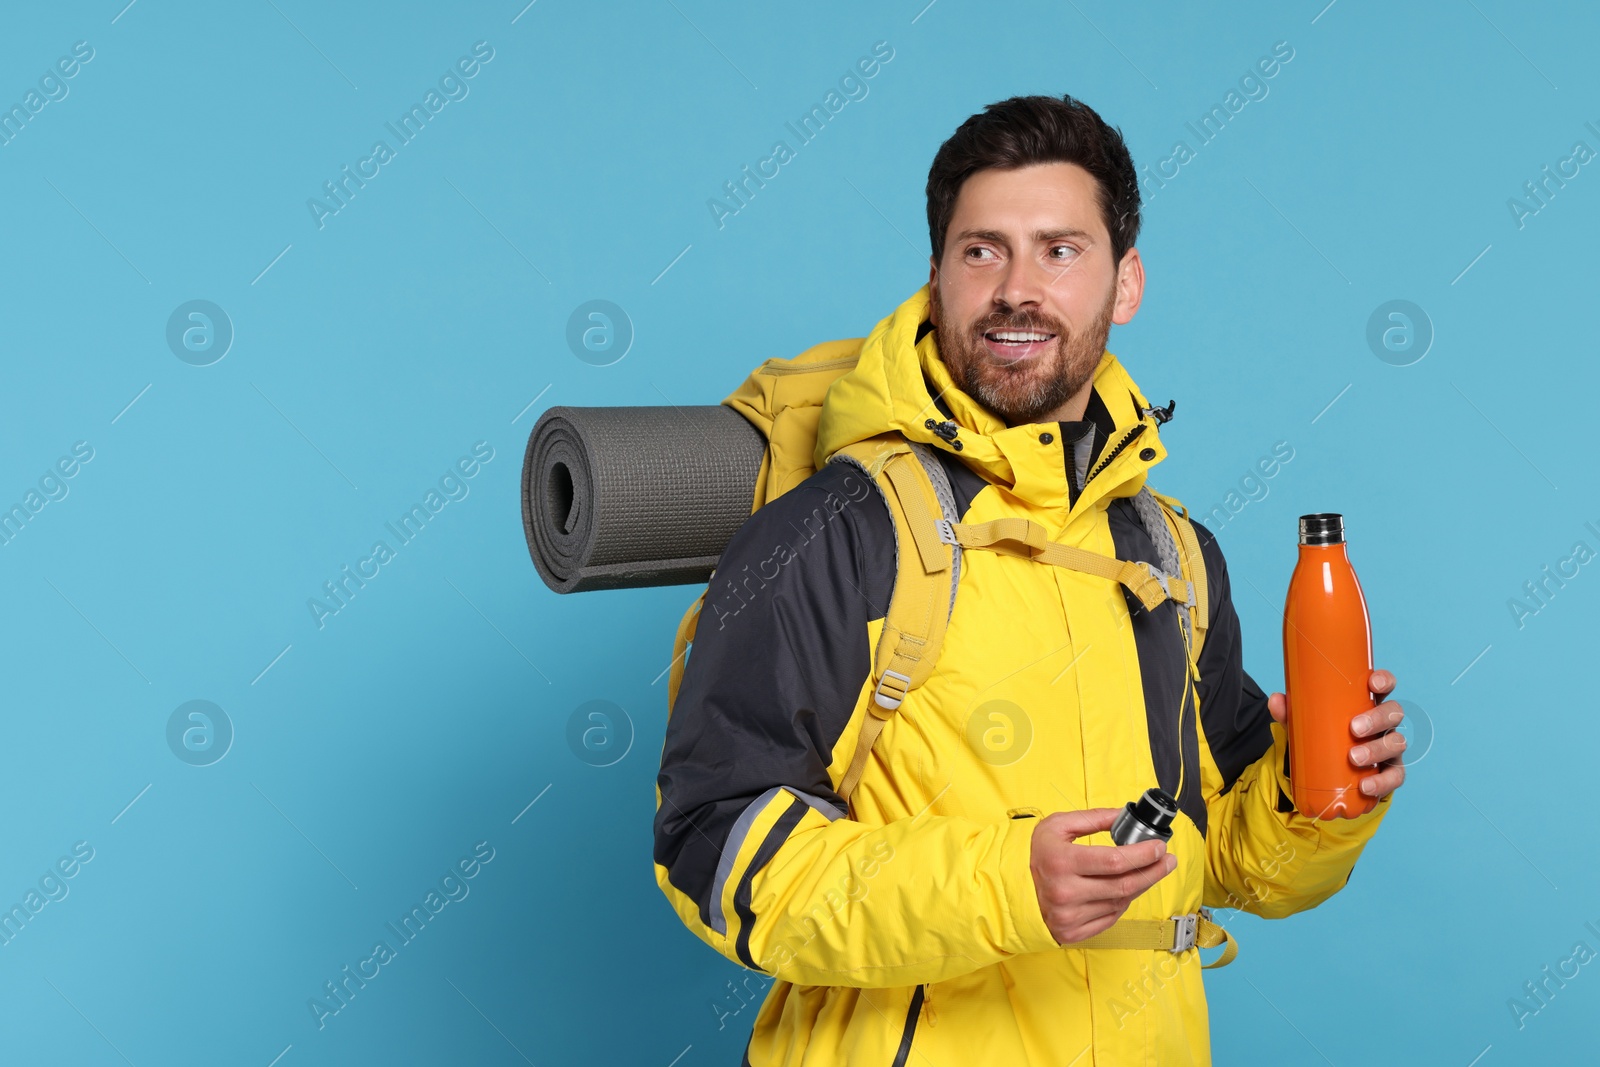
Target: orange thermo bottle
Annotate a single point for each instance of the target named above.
(1327, 658)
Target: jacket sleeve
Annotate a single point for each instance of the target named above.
(753, 845)
(1262, 856)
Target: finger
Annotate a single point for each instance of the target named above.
(1385, 716)
(1381, 682)
(1097, 860)
(1125, 886)
(1379, 750)
(1277, 706)
(1386, 781)
(1153, 874)
(1071, 824)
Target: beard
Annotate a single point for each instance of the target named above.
(1021, 392)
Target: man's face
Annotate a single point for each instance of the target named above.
(1027, 291)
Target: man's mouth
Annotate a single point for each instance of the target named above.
(1013, 345)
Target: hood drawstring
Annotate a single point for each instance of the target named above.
(946, 430)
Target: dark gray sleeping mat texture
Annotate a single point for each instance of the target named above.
(623, 497)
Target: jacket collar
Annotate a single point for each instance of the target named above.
(900, 382)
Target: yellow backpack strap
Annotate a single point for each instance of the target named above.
(926, 572)
(1023, 537)
(680, 648)
(1193, 561)
(1177, 934)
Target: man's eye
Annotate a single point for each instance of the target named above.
(1068, 251)
(971, 251)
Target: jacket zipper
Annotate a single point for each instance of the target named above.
(827, 364)
(1106, 459)
(902, 1055)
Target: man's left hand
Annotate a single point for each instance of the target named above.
(1382, 743)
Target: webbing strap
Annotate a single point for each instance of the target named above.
(871, 727)
(919, 610)
(1017, 536)
(1177, 934)
(923, 522)
(1195, 564)
(919, 607)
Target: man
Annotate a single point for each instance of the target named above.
(934, 920)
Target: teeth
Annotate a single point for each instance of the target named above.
(1019, 336)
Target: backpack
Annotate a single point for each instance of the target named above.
(782, 398)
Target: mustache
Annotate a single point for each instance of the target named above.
(1034, 323)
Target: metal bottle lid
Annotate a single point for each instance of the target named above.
(1323, 528)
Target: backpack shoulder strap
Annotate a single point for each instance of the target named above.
(1187, 557)
(918, 494)
(927, 568)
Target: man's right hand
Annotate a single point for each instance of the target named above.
(1084, 889)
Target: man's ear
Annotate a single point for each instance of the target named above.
(1130, 287)
(933, 290)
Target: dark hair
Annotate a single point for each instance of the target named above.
(1037, 129)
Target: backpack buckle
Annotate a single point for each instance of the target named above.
(1171, 582)
(1185, 927)
(892, 689)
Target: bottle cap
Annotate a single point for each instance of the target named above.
(1324, 528)
(1156, 809)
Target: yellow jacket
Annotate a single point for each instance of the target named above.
(909, 923)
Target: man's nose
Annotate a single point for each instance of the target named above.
(1024, 283)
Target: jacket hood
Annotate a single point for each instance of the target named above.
(893, 387)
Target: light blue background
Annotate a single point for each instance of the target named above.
(429, 313)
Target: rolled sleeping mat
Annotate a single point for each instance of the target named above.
(624, 497)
